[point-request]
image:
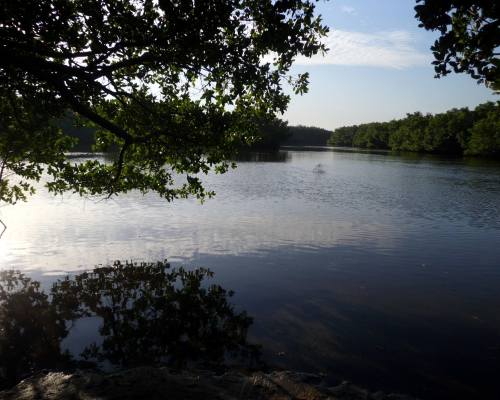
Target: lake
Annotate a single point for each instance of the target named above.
(380, 269)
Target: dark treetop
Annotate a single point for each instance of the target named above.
(470, 37)
(174, 83)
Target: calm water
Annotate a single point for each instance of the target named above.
(383, 270)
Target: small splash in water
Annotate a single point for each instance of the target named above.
(318, 169)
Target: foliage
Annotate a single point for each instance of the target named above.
(411, 134)
(168, 82)
(307, 136)
(271, 134)
(83, 136)
(457, 131)
(29, 139)
(343, 136)
(371, 136)
(469, 37)
(485, 135)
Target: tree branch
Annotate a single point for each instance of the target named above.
(4, 228)
(119, 169)
(86, 111)
(2, 170)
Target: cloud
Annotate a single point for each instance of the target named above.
(393, 49)
(348, 10)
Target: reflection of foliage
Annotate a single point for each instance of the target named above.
(152, 313)
(30, 329)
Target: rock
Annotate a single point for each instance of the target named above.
(164, 384)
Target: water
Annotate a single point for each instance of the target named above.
(384, 270)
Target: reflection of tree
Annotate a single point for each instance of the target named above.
(150, 314)
(30, 329)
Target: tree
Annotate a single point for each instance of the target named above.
(410, 134)
(271, 134)
(175, 85)
(457, 131)
(485, 133)
(301, 135)
(343, 136)
(469, 40)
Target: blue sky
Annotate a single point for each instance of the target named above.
(378, 68)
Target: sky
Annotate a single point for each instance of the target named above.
(378, 68)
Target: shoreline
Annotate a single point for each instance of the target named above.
(158, 383)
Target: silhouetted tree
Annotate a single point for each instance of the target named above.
(307, 136)
(177, 83)
(270, 135)
(469, 37)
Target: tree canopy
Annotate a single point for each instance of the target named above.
(301, 135)
(457, 131)
(175, 85)
(469, 38)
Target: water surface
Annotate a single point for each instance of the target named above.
(382, 269)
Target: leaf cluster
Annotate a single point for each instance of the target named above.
(469, 38)
(173, 84)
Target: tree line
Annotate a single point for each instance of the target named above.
(457, 131)
(301, 135)
(275, 133)
(270, 134)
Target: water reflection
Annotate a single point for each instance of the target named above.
(30, 329)
(398, 205)
(431, 331)
(149, 314)
(383, 269)
(275, 156)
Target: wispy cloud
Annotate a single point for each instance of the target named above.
(348, 10)
(393, 49)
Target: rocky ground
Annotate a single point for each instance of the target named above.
(165, 384)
